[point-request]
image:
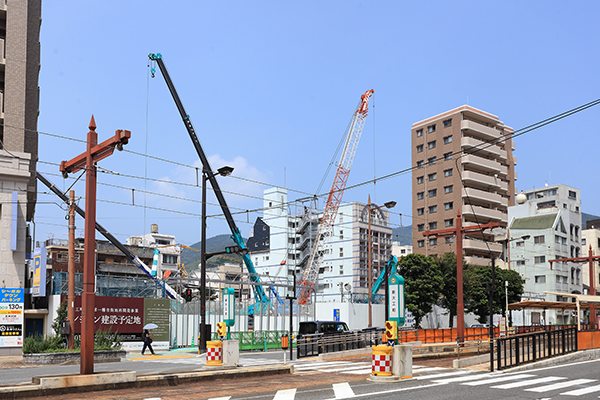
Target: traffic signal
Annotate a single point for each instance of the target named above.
(232, 249)
(188, 295)
(391, 330)
(221, 329)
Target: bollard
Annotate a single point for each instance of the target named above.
(402, 362)
(214, 353)
(382, 360)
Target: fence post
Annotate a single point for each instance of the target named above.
(535, 346)
(517, 351)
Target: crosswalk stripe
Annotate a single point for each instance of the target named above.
(360, 371)
(428, 369)
(341, 369)
(442, 375)
(579, 392)
(528, 383)
(460, 379)
(560, 385)
(500, 379)
(220, 398)
(287, 394)
(342, 390)
(318, 365)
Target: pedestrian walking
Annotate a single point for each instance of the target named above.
(147, 342)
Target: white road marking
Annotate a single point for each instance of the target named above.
(342, 390)
(463, 372)
(220, 398)
(362, 371)
(287, 394)
(579, 392)
(499, 379)
(560, 385)
(528, 383)
(460, 379)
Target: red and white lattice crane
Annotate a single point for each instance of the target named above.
(325, 229)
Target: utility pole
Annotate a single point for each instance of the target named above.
(71, 296)
(458, 231)
(87, 161)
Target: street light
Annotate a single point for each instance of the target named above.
(206, 175)
(389, 204)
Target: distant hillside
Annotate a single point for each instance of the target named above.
(403, 234)
(215, 244)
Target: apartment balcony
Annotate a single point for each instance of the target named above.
(477, 179)
(480, 245)
(482, 148)
(481, 131)
(485, 196)
(484, 212)
(484, 164)
(479, 261)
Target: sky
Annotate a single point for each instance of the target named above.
(271, 86)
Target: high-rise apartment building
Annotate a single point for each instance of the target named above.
(463, 162)
(19, 101)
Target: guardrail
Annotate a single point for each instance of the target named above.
(523, 349)
(318, 343)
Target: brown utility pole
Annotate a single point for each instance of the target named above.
(459, 231)
(94, 153)
(590, 259)
(71, 298)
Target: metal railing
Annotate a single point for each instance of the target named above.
(522, 349)
(318, 343)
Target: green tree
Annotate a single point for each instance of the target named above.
(423, 283)
(447, 267)
(477, 281)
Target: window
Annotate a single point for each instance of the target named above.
(448, 222)
(420, 164)
(420, 195)
(432, 225)
(341, 217)
(421, 227)
(420, 148)
(450, 239)
(540, 279)
(538, 239)
(419, 179)
(431, 160)
(431, 145)
(448, 189)
(448, 172)
(572, 194)
(341, 252)
(521, 263)
(433, 241)
(432, 193)
(448, 139)
(432, 177)
(341, 234)
(448, 123)
(431, 128)
(540, 259)
(421, 243)
(448, 206)
(163, 241)
(341, 270)
(432, 209)
(419, 132)
(448, 156)
(420, 211)
(169, 259)
(520, 244)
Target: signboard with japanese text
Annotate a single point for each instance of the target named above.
(229, 306)
(396, 299)
(11, 317)
(336, 314)
(127, 316)
(38, 286)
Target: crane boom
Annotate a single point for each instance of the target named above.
(236, 236)
(325, 229)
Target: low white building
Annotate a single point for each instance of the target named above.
(169, 253)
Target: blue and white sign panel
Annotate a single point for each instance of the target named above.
(229, 306)
(396, 299)
(336, 314)
(38, 286)
(11, 317)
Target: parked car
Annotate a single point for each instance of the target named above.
(326, 327)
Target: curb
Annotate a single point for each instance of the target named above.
(143, 381)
